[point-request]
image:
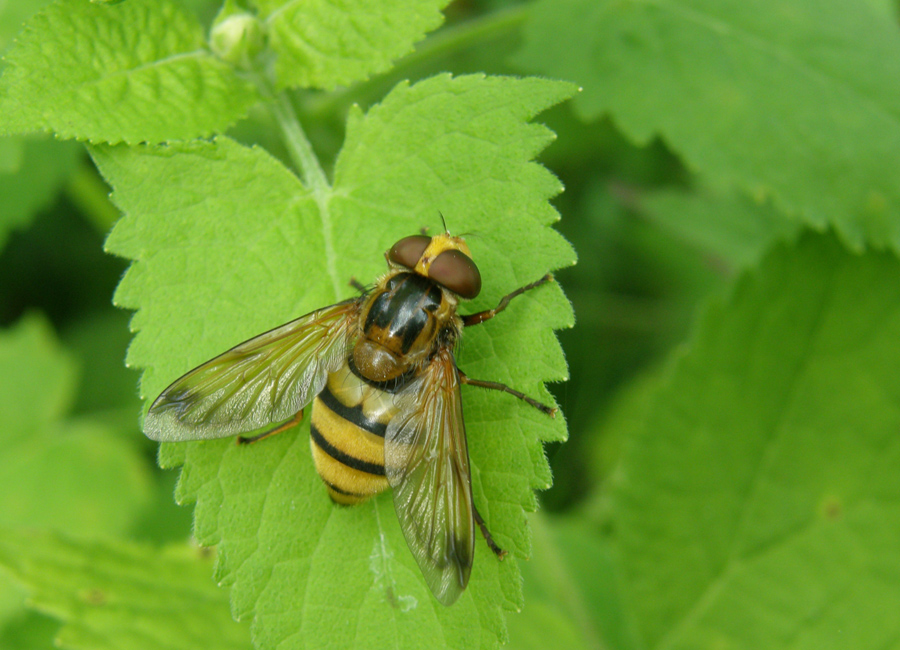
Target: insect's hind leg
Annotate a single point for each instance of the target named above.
(488, 314)
(499, 552)
(294, 421)
(493, 385)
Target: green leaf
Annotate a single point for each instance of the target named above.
(134, 72)
(100, 343)
(324, 44)
(31, 173)
(29, 631)
(237, 245)
(571, 597)
(734, 228)
(56, 472)
(45, 454)
(12, 16)
(113, 595)
(37, 384)
(12, 151)
(795, 99)
(757, 506)
(884, 9)
(39, 474)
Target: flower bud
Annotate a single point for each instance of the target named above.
(237, 38)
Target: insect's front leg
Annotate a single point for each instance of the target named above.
(481, 316)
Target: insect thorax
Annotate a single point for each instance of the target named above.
(401, 323)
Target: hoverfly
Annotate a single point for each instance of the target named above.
(380, 372)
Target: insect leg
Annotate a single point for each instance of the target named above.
(481, 316)
(493, 385)
(294, 421)
(356, 284)
(499, 552)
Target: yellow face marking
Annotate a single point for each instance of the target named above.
(437, 245)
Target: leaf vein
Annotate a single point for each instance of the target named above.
(765, 458)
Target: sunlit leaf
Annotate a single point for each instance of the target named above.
(236, 245)
(134, 72)
(324, 44)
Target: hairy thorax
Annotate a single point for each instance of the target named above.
(402, 325)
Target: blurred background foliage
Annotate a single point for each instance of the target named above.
(636, 290)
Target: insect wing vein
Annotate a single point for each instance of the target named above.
(264, 380)
(427, 465)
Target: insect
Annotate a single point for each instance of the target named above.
(380, 372)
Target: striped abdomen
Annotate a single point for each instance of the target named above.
(349, 420)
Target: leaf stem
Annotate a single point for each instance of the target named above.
(307, 164)
(299, 148)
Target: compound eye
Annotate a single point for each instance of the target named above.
(408, 250)
(456, 271)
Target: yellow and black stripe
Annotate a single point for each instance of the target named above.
(348, 424)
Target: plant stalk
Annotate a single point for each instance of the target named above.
(307, 164)
(299, 148)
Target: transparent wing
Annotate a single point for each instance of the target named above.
(427, 464)
(264, 380)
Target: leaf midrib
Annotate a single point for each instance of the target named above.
(733, 560)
